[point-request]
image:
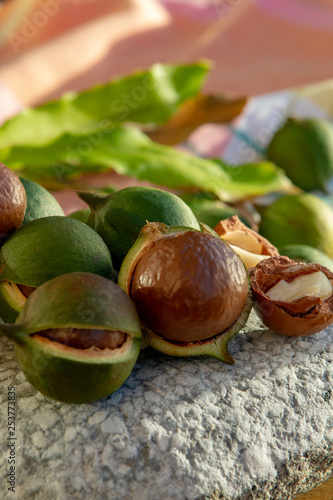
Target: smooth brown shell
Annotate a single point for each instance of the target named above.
(13, 201)
(235, 224)
(189, 286)
(26, 290)
(302, 317)
(85, 338)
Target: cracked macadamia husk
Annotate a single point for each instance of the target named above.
(247, 243)
(303, 316)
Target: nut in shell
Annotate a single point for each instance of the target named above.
(13, 201)
(78, 350)
(189, 288)
(247, 243)
(291, 298)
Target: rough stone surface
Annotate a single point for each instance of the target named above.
(182, 429)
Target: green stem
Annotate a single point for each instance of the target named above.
(92, 199)
(14, 333)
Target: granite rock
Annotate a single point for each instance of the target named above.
(182, 429)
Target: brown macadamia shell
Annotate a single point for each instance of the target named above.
(85, 338)
(302, 317)
(189, 286)
(13, 201)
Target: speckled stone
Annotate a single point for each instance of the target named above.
(183, 429)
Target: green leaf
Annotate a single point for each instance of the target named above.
(255, 179)
(130, 152)
(147, 97)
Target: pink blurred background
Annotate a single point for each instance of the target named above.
(55, 45)
(48, 47)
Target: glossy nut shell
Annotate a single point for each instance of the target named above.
(302, 317)
(189, 286)
(13, 201)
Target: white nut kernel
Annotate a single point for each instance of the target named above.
(249, 259)
(315, 284)
(243, 240)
